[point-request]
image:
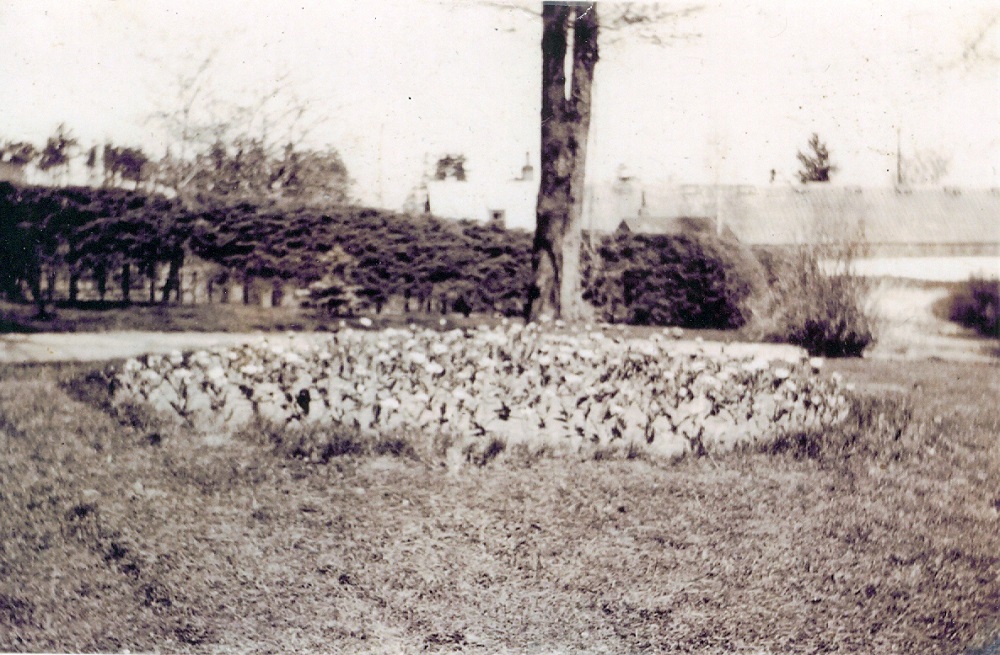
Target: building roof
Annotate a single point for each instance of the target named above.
(12, 173)
(793, 215)
(782, 215)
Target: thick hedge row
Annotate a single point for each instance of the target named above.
(352, 257)
(432, 264)
(120, 235)
(76, 232)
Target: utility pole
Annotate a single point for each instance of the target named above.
(381, 170)
(899, 158)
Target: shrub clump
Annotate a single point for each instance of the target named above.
(691, 280)
(977, 306)
(817, 302)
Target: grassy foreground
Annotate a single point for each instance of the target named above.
(150, 538)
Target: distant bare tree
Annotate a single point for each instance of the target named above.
(227, 152)
(977, 49)
(923, 167)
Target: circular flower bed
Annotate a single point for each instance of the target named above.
(510, 382)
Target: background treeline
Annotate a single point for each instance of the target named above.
(130, 245)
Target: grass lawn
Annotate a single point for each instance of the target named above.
(107, 317)
(19, 318)
(137, 536)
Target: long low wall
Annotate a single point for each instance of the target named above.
(910, 250)
(895, 222)
(930, 269)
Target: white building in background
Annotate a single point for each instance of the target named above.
(920, 222)
(509, 203)
(12, 173)
(513, 203)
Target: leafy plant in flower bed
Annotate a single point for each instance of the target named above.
(510, 383)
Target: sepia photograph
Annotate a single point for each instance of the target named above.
(500, 327)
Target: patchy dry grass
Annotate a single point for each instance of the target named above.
(216, 317)
(116, 532)
(19, 318)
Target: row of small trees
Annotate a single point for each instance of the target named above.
(427, 263)
(76, 233)
(82, 233)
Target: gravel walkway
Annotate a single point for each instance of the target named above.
(909, 329)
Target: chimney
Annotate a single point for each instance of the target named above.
(527, 171)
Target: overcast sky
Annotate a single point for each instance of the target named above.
(395, 84)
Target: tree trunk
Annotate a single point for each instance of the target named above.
(277, 293)
(194, 290)
(152, 271)
(74, 286)
(173, 282)
(50, 285)
(127, 283)
(565, 125)
(35, 284)
(101, 277)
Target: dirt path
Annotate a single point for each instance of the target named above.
(97, 346)
(911, 330)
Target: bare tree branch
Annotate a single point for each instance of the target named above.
(974, 51)
(653, 23)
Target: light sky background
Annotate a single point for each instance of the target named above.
(393, 85)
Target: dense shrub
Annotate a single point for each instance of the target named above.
(429, 263)
(977, 305)
(824, 311)
(692, 279)
(72, 232)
